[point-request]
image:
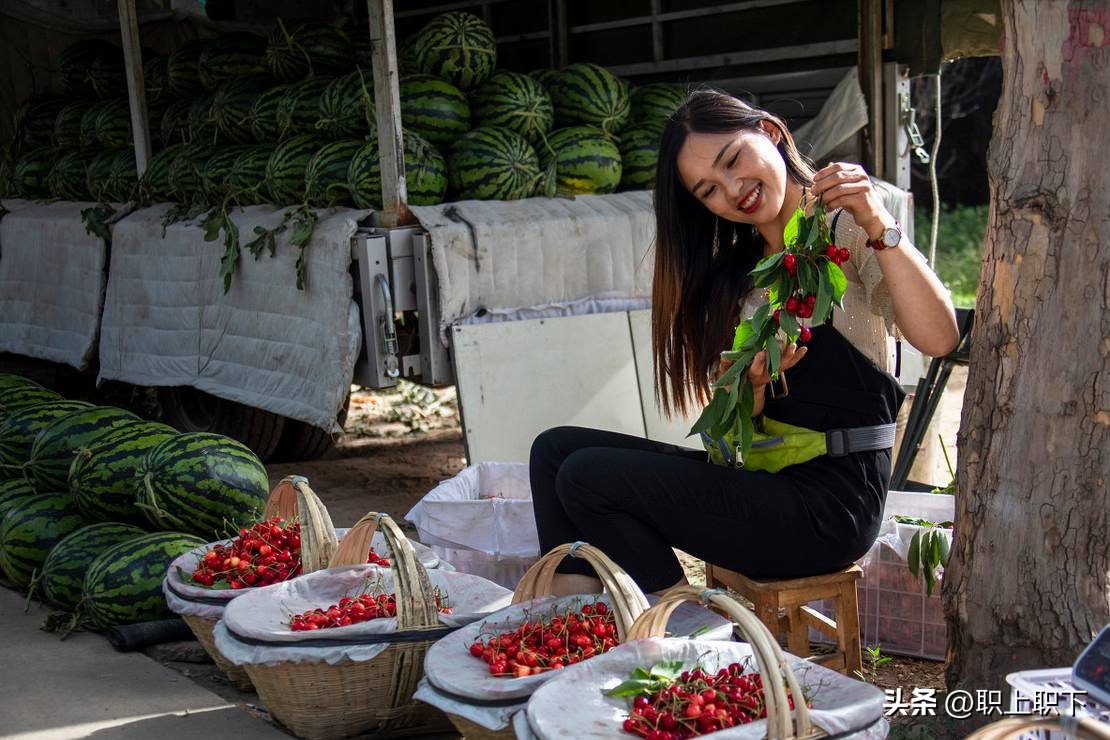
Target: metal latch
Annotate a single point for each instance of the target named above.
(908, 116)
(389, 329)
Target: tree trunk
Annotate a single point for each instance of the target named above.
(1026, 586)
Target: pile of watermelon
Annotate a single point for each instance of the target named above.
(95, 502)
(289, 119)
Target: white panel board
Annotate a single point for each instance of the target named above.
(659, 428)
(517, 378)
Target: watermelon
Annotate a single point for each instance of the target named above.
(492, 164)
(155, 185)
(67, 124)
(88, 122)
(11, 381)
(458, 47)
(68, 179)
(586, 160)
(63, 571)
(103, 477)
(425, 174)
(433, 109)
(407, 61)
(112, 125)
(202, 127)
(13, 492)
(217, 169)
(299, 109)
(52, 452)
(106, 74)
(156, 79)
(7, 181)
(34, 120)
(347, 106)
(639, 150)
(202, 483)
(183, 69)
(246, 181)
(656, 101)
(100, 174)
(230, 56)
(174, 127)
(516, 102)
(285, 172)
(362, 50)
(123, 585)
(546, 77)
(15, 398)
(123, 176)
(75, 62)
(21, 427)
(588, 94)
(306, 48)
(187, 173)
(231, 107)
(29, 531)
(325, 177)
(32, 171)
(262, 119)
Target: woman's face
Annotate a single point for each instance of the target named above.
(740, 176)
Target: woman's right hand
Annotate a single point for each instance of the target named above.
(791, 355)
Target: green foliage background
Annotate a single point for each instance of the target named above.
(959, 247)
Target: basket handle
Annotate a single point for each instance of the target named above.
(283, 500)
(1080, 728)
(627, 600)
(768, 654)
(416, 607)
(318, 540)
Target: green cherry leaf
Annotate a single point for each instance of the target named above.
(790, 233)
(774, 357)
(768, 263)
(789, 323)
(838, 281)
(744, 330)
(824, 299)
(913, 557)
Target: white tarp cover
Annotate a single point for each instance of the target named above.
(557, 256)
(51, 282)
(167, 320)
(574, 705)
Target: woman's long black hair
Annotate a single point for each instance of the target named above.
(701, 261)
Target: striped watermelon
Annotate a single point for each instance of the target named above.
(14, 492)
(75, 62)
(299, 109)
(183, 69)
(104, 477)
(656, 101)
(30, 530)
(231, 107)
(492, 164)
(106, 74)
(52, 452)
(458, 47)
(7, 181)
(588, 94)
(218, 168)
(99, 173)
(34, 120)
(202, 483)
(156, 79)
(68, 179)
(123, 585)
(175, 122)
(11, 381)
(307, 48)
(32, 171)
(361, 48)
(155, 186)
(231, 55)
(347, 106)
(433, 109)
(202, 127)
(187, 173)
(263, 119)
(546, 77)
(639, 149)
(113, 123)
(407, 61)
(246, 182)
(285, 172)
(21, 427)
(425, 174)
(63, 571)
(516, 102)
(88, 122)
(67, 124)
(325, 177)
(586, 160)
(123, 176)
(16, 398)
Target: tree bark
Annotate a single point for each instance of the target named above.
(1026, 585)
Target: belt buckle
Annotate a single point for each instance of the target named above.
(836, 442)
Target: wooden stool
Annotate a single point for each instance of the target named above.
(793, 595)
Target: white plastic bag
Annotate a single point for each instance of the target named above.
(481, 521)
(254, 629)
(573, 704)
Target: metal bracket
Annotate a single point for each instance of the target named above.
(907, 115)
(389, 329)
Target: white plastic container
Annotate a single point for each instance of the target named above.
(1051, 691)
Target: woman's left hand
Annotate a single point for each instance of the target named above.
(846, 185)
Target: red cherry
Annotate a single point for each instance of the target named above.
(790, 262)
(804, 334)
(844, 254)
(791, 305)
(775, 315)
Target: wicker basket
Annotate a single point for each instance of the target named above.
(626, 599)
(318, 701)
(202, 627)
(1080, 728)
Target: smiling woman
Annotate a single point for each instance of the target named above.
(729, 180)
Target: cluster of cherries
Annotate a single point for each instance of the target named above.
(699, 703)
(352, 610)
(266, 553)
(547, 644)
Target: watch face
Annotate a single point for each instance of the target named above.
(891, 237)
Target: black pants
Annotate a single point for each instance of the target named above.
(637, 499)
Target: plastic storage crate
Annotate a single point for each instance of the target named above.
(1051, 690)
